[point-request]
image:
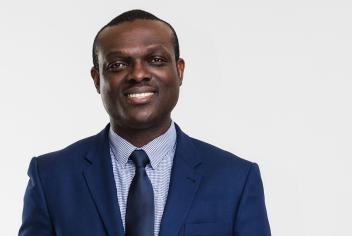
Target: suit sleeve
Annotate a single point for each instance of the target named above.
(35, 216)
(251, 219)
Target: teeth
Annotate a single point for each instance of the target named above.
(139, 95)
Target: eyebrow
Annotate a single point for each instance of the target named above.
(148, 50)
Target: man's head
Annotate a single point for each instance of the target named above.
(137, 71)
(131, 16)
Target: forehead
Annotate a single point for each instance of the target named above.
(137, 34)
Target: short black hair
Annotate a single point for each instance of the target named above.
(129, 16)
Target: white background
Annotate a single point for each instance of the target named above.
(267, 80)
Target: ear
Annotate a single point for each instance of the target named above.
(180, 64)
(95, 76)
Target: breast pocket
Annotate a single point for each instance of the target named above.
(208, 229)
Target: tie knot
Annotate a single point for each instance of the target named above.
(140, 158)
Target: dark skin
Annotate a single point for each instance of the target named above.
(138, 78)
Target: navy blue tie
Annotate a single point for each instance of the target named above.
(140, 200)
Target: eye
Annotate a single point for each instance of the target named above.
(157, 60)
(116, 66)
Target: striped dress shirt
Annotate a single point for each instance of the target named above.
(161, 152)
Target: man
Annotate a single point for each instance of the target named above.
(141, 175)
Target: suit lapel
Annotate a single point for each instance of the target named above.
(184, 183)
(101, 184)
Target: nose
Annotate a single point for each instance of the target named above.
(139, 72)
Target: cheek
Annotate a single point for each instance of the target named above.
(109, 96)
(109, 87)
(105, 91)
(170, 93)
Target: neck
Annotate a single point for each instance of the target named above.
(140, 136)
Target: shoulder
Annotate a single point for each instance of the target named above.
(71, 154)
(78, 147)
(213, 157)
(218, 157)
(64, 165)
(221, 166)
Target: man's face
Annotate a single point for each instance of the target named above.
(138, 77)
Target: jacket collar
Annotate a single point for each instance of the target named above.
(184, 182)
(101, 184)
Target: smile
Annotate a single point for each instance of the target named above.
(140, 95)
(140, 98)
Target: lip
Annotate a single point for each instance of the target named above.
(140, 89)
(148, 95)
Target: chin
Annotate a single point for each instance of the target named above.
(142, 122)
(142, 119)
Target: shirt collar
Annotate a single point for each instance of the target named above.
(155, 149)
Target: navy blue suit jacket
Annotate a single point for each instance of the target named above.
(72, 192)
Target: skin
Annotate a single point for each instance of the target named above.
(136, 57)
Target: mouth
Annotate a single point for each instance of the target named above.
(138, 98)
(140, 95)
